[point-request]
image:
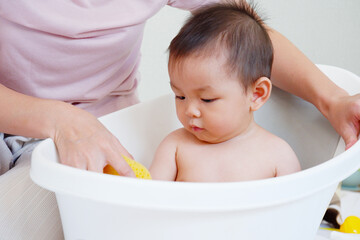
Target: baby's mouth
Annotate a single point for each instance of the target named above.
(196, 129)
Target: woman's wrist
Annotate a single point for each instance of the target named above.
(68, 120)
(328, 97)
(50, 113)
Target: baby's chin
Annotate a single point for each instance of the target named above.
(210, 139)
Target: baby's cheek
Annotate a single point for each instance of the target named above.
(216, 128)
(181, 117)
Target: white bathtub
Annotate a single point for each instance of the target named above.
(98, 206)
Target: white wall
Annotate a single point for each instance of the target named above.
(327, 31)
(159, 32)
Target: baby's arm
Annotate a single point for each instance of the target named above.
(163, 166)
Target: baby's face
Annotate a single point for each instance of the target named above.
(210, 103)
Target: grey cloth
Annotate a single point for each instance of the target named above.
(11, 148)
(27, 211)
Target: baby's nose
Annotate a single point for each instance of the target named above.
(192, 110)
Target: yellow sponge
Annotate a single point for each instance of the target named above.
(139, 169)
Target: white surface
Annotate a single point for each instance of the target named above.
(344, 236)
(98, 206)
(350, 204)
(319, 237)
(334, 235)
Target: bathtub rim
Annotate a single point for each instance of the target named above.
(50, 175)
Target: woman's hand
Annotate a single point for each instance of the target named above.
(344, 115)
(83, 142)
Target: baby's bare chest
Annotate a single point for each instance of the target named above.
(213, 163)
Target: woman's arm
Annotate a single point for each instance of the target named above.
(81, 140)
(293, 72)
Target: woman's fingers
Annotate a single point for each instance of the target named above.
(345, 118)
(116, 160)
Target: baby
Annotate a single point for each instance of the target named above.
(219, 67)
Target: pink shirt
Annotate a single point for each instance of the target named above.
(85, 52)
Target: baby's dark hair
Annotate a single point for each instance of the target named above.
(234, 26)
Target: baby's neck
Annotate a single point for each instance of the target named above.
(249, 131)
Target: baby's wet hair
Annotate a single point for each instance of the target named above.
(233, 28)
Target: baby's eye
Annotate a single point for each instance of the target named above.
(208, 100)
(180, 97)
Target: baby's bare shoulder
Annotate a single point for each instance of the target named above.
(282, 154)
(180, 135)
(279, 145)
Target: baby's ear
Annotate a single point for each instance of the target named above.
(260, 93)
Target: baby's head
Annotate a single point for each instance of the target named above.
(219, 66)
